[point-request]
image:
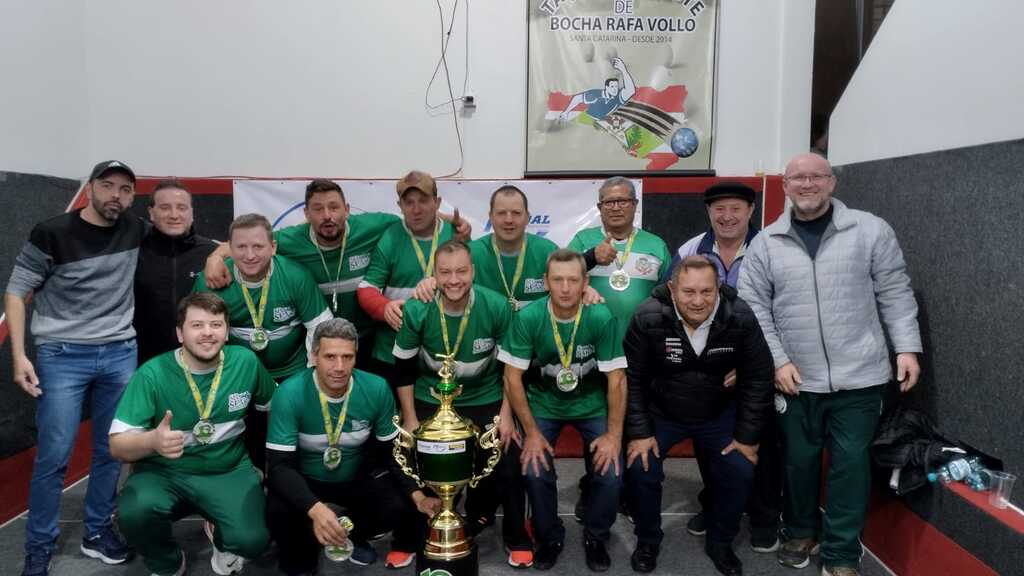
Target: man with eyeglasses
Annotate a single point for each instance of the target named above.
(823, 280)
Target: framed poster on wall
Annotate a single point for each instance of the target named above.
(620, 86)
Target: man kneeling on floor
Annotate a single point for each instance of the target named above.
(181, 422)
(320, 454)
(681, 346)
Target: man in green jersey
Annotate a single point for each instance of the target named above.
(467, 321)
(181, 422)
(273, 307)
(333, 245)
(570, 346)
(625, 262)
(329, 443)
(403, 257)
(509, 261)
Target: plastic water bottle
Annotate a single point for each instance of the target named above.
(957, 470)
(979, 480)
(341, 553)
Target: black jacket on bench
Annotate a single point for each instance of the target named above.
(669, 380)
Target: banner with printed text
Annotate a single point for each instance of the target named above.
(558, 208)
(620, 85)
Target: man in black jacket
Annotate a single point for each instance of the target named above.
(681, 344)
(170, 258)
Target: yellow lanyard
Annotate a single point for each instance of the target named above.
(620, 259)
(257, 317)
(204, 411)
(519, 267)
(323, 261)
(448, 350)
(333, 432)
(425, 265)
(564, 355)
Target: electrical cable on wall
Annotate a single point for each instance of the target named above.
(443, 62)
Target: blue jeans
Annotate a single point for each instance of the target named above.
(730, 477)
(603, 490)
(67, 374)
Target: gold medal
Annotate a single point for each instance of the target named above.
(332, 457)
(566, 380)
(203, 431)
(258, 339)
(515, 304)
(516, 275)
(323, 261)
(619, 280)
(332, 454)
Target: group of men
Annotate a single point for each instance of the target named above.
(268, 362)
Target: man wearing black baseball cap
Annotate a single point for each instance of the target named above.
(79, 265)
(730, 206)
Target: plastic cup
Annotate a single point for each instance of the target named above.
(1002, 485)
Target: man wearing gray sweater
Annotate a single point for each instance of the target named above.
(823, 280)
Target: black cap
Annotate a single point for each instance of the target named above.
(729, 190)
(108, 166)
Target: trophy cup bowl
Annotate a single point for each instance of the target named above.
(442, 454)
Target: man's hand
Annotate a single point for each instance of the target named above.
(749, 451)
(425, 290)
(463, 229)
(730, 379)
(425, 504)
(592, 296)
(908, 371)
(639, 448)
(535, 449)
(618, 64)
(605, 453)
(508, 434)
(217, 274)
(25, 376)
(393, 314)
(604, 252)
(326, 527)
(166, 442)
(411, 423)
(788, 380)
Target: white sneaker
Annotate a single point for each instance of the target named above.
(223, 563)
(181, 569)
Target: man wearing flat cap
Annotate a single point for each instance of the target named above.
(79, 266)
(730, 207)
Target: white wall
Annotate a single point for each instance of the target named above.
(938, 75)
(333, 88)
(42, 88)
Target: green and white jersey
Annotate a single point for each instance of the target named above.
(531, 284)
(530, 342)
(297, 422)
(294, 308)
(159, 385)
(395, 270)
(297, 243)
(476, 367)
(648, 258)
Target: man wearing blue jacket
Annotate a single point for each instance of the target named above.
(823, 280)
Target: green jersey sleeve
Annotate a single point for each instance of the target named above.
(410, 335)
(608, 349)
(137, 408)
(384, 426)
(379, 271)
(302, 286)
(577, 244)
(265, 387)
(283, 427)
(517, 348)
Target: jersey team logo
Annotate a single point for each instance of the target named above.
(358, 262)
(584, 351)
(238, 401)
(534, 286)
(283, 314)
(644, 266)
(481, 345)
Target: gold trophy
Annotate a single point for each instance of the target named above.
(443, 452)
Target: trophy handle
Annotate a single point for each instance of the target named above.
(404, 441)
(489, 441)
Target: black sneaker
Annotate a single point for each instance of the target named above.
(597, 555)
(797, 552)
(37, 564)
(764, 540)
(107, 547)
(644, 558)
(696, 525)
(724, 558)
(546, 555)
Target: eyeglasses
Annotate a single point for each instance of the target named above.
(812, 178)
(616, 202)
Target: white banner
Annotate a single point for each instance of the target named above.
(558, 208)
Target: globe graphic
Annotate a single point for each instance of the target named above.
(684, 142)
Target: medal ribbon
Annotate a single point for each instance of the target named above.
(323, 261)
(204, 411)
(333, 432)
(620, 259)
(565, 356)
(257, 317)
(426, 265)
(519, 267)
(448, 350)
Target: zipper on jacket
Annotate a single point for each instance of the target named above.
(821, 327)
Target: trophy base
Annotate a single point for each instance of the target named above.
(468, 565)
